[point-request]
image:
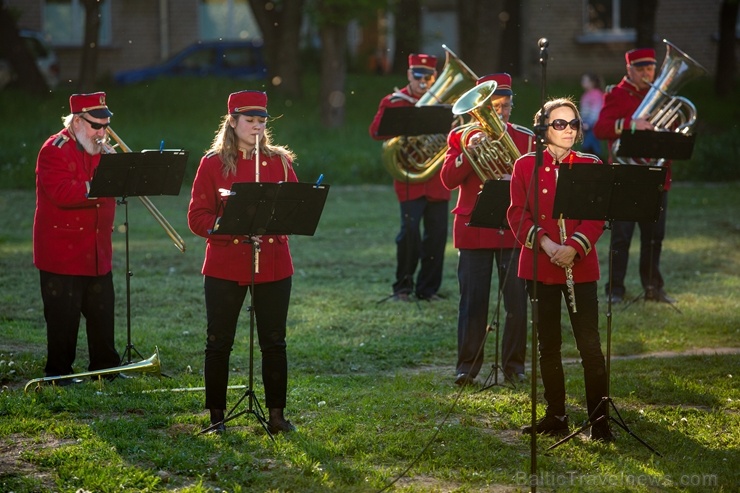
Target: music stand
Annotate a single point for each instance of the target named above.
(416, 120)
(132, 174)
(608, 192)
(490, 212)
(254, 208)
(652, 144)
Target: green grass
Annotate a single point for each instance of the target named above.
(370, 382)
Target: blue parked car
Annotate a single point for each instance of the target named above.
(238, 59)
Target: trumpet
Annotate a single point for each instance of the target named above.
(150, 365)
(111, 149)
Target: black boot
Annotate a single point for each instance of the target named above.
(277, 422)
(217, 418)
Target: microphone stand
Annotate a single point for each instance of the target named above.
(540, 131)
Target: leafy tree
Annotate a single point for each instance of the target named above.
(333, 17)
(280, 23)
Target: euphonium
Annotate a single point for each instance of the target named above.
(176, 238)
(150, 365)
(417, 158)
(493, 156)
(661, 107)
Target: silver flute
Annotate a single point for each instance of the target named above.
(568, 270)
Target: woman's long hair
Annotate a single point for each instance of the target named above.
(225, 144)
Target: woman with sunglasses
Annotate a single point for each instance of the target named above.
(565, 252)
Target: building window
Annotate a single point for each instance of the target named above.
(64, 22)
(227, 19)
(609, 20)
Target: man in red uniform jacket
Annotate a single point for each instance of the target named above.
(480, 246)
(72, 240)
(620, 103)
(426, 201)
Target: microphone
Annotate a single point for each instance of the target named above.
(543, 43)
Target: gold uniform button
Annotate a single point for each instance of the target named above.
(544, 190)
(480, 186)
(271, 240)
(547, 168)
(542, 217)
(236, 241)
(264, 163)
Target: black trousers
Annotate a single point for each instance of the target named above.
(474, 272)
(224, 300)
(585, 324)
(429, 249)
(651, 246)
(66, 299)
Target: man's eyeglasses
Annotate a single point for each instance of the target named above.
(425, 77)
(96, 125)
(559, 124)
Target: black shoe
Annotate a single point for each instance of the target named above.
(658, 295)
(280, 426)
(464, 379)
(549, 425)
(616, 298)
(515, 378)
(216, 429)
(400, 297)
(600, 432)
(432, 298)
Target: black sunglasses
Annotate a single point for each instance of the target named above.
(425, 77)
(95, 125)
(559, 124)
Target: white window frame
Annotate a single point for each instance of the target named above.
(227, 20)
(65, 26)
(616, 33)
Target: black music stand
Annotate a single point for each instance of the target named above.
(133, 174)
(490, 212)
(651, 144)
(416, 120)
(608, 193)
(251, 209)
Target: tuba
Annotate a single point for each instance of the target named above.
(149, 365)
(661, 107)
(171, 232)
(417, 158)
(494, 155)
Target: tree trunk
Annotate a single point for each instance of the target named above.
(280, 23)
(646, 23)
(407, 32)
(89, 63)
(333, 74)
(15, 51)
(726, 65)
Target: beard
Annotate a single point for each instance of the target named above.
(90, 145)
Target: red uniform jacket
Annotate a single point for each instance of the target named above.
(457, 172)
(620, 103)
(432, 189)
(581, 235)
(229, 257)
(71, 233)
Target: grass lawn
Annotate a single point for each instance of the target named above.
(371, 382)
